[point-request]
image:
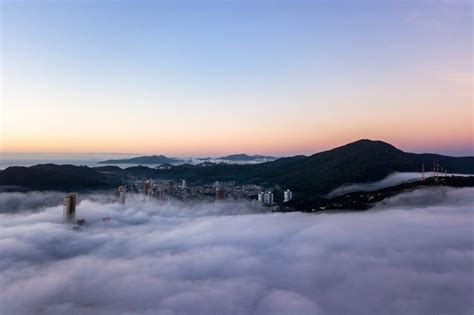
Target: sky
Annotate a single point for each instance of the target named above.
(206, 78)
(171, 258)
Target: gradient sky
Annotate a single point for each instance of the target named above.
(209, 78)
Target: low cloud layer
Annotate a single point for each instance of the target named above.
(393, 179)
(412, 254)
(14, 202)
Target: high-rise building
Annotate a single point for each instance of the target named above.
(268, 198)
(146, 187)
(171, 186)
(69, 207)
(287, 195)
(122, 189)
(220, 193)
(183, 184)
(265, 198)
(159, 193)
(154, 191)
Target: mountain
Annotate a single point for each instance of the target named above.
(357, 162)
(307, 176)
(363, 200)
(360, 161)
(107, 168)
(245, 158)
(452, 165)
(55, 177)
(164, 166)
(152, 159)
(205, 164)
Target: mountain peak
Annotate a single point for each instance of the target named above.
(370, 142)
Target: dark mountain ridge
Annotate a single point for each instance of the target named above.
(245, 157)
(308, 176)
(151, 159)
(55, 177)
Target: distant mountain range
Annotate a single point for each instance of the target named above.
(357, 162)
(151, 159)
(308, 176)
(161, 159)
(244, 157)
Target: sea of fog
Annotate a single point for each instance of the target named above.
(413, 254)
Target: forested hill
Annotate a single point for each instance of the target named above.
(360, 161)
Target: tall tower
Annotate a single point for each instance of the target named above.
(287, 195)
(122, 191)
(146, 187)
(152, 191)
(268, 198)
(220, 193)
(260, 196)
(171, 186)
(69, 207)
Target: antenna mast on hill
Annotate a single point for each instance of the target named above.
(422, 170)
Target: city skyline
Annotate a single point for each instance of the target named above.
(209, 79)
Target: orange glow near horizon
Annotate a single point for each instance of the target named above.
(437, 123)
(285, 144)
(200, 91)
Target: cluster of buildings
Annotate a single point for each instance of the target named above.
(161, 189)
(170, 189)
(166, 189)
(267, 197)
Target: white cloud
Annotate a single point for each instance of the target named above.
(411, 255)
(393, 179)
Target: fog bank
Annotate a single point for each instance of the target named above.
(393, 179)
(413, 254)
